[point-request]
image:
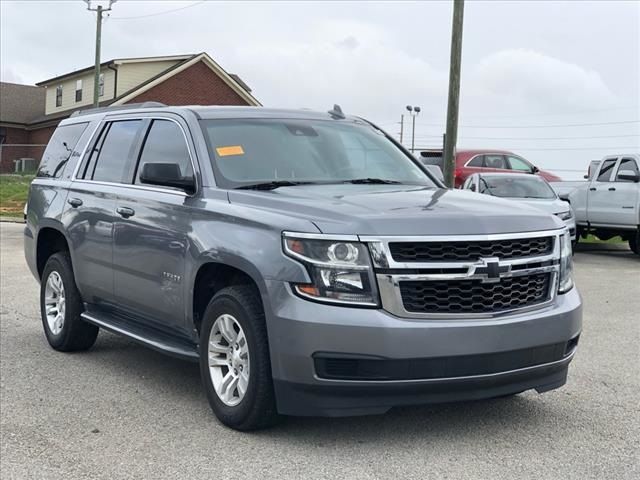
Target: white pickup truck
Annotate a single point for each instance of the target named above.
(609, 203)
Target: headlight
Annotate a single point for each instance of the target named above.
(565, 215)
(566, 264)
(340, 271)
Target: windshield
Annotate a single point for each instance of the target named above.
(516, 187)
(254, 151)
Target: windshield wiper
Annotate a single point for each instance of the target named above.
(380, 181)
(272, 185)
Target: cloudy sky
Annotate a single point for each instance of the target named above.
(558, 82)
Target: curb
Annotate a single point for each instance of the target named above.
(12, 219)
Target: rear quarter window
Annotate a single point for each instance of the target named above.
(60, 149)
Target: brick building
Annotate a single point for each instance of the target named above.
(29, 115)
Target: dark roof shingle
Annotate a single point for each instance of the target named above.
(20, 103)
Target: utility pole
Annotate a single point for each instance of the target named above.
(453, 103)
(401, 127)
(99, 9)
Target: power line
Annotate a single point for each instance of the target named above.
(159, 13)
(616, 148)
(536, 126)
(536, 138)
(530, 115)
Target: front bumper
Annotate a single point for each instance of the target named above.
(299, 329)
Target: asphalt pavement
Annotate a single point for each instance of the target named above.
(121, 411)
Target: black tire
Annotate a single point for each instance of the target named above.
(75, 334)
(257, 408)
(634, 243)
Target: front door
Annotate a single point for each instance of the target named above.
(599, 196)
(151, 235)
(624, 196)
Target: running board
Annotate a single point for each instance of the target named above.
(156, 340)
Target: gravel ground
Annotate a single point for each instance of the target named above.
(122, 411)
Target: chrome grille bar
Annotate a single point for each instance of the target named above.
(390, 273)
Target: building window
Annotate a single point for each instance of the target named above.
(78, 90)
(59, 96)
(101, 85)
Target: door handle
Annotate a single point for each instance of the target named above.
(593, 189)
(125, 212)
(612, 189)
(74, 202)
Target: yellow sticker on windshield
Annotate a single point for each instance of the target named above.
(230, 150)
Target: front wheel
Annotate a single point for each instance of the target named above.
(234, 360)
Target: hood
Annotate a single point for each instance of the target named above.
(397, 210)
(552, 206)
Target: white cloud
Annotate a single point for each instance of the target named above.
(346, 62)
(539, 82)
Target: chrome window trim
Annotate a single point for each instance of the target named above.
(389, 282)
(565, 360)
(134, 187)
(152, 116)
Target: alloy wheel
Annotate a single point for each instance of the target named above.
(228, 354)
(54, 302)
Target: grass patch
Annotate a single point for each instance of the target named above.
(593, 239)
(14, 190)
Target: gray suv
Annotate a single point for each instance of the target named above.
(306, 260)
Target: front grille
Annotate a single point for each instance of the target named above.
(473, 296)
(366, 368)
(470, 250)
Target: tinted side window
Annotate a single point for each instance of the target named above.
(476, 162)
(59, 150)
(627, 165)
(605, 171)
(165, 143)
(115, 151)
(495, 161)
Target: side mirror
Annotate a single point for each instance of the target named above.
(535, 169)
(166, 175)
(436, 171)
(586, 177)
(472, 187)
(628, 176)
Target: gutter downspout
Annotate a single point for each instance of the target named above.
(115, 80)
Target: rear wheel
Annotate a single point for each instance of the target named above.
(61, 306)
(234, 360)
(634, 242)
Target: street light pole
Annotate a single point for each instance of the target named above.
(401, 128)
(99, 9)
(413, 111)
(454, 94)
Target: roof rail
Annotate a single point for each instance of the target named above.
(110, 108)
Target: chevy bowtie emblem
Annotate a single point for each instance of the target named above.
(490, 269)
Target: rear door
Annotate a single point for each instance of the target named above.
(152, 227)
(599, 198)
(90, 208)
(623, 194)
